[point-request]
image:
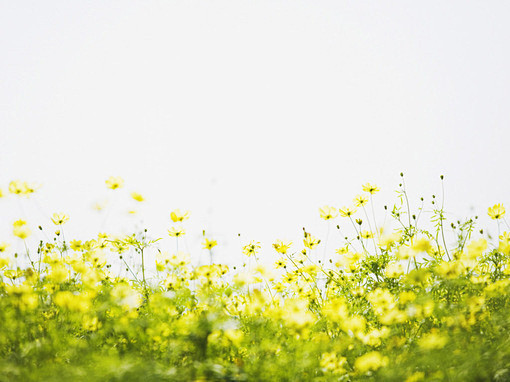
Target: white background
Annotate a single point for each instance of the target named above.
(251, 114)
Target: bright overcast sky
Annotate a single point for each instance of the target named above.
(252, 114)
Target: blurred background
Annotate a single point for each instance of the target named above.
(250, 114)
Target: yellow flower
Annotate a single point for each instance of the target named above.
(282, 247)
(310, 241)
(347, 211)
(370, 188)
(1, 193)
(59, 219)
(178, 216)
(342, 250)
(416, 377)
(394, 270)
(76, 245)
(20, 229)
(331, 362)
(19, 223)
(497, 211)
(4, 261)
(176, 232)
(209, 243)
(370, 361)
(138, 197)
(504, 243)
(114, 182)
(280, 263)
(433, 340)
(328, 212)
(366, 234)
(17, 187)
(251, 248)
(4, 247)
(422, 245)
(360, 200)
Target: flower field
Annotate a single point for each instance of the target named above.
(421, 298)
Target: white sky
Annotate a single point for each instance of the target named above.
(252, 114)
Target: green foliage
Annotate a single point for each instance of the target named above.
(393, 306)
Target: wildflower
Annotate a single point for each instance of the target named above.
(59, 219)
(366, 234)
(176, 232)
(449, 269)
(296, 314)
(4, 261)
(91, 323)
(17, 187)
(394, 270)
(433, 340)
(360, 200)
(310, 241)
(75, 245)
(342, 250)
(280, 263)
(406, 296)
(504, 243)
(497, 211)
(4, 246)
(422, 245)
(125, 296)
(331, 362)
(476, 248)
(328, 212)
(281, 247)
(138, 197)
(20, 229)
(178, 216)
(370, 361)
(416, 377)
(209, 243)
(58, 273)
(370, 188)
(114, 182)
(251, 248)
(347, 211)
(1, 193)
(388, 240)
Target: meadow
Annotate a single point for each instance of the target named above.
(427, 300)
